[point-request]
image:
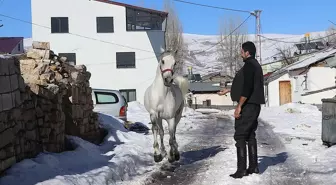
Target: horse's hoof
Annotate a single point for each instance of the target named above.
(171, 160)
(158, 158)
(177, 156)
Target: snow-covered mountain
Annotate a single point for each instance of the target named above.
(202, 49)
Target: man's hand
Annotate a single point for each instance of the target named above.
(223, 92)
(237, 112)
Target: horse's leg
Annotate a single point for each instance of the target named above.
(155, 130)
(172, 140)
(161, 132)
(177, 120)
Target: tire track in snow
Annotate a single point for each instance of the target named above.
(206, 143)
(275, 162)
(198, 159)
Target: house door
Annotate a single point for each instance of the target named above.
(285, 92)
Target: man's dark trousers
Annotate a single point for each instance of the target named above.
(245, 128)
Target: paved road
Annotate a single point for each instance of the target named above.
(216, 137)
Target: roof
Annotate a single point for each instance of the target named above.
(132, 6)
(306, 62)
(7, 44)
(204, 87)
(310, 45)
(316, 57)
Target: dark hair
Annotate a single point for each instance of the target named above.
(250, 47)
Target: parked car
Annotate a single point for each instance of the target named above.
(110, 102)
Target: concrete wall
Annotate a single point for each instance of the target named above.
(273, 90)
(320, 78)
(317, 97)
(317, 78)
(98, 50)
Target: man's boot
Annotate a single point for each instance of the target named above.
(253, 158)
(241, 162)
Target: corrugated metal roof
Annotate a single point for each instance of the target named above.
(316, 57)
(305, 62)
(204, 87)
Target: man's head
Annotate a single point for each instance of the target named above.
(248, 50)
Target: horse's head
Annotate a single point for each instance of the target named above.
(166, 64)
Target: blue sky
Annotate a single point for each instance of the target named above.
(278, 16)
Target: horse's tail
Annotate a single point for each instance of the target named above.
(183, 84)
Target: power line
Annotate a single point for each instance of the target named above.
(138, 83)
(292, 42)
(216, 7)
(78, 35)
(222, 39)
(332, 22)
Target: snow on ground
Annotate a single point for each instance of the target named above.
(122, 155)
(300, 125)
(299, 128)
(297, 120)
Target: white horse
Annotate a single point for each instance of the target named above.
(164, 99)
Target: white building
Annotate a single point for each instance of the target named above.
(307, 81)
(118, 43)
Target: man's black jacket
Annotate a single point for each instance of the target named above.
(249, 82)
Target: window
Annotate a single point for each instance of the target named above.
(19, 47)
(59, 25)
(71, 57)
(125, 59)
(143, 20)
(105, 25)
(129, 94)
(106, 98)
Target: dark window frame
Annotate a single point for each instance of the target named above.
(119, 64)
(106, 93)
(133, 18)
(69, 61)
(127, 91)
(100, 29)
(59, 24)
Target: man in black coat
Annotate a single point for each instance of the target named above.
(248, 90)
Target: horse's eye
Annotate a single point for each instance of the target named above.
(162, 61)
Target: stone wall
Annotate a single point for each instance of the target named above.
(17, 122)
(42, 99)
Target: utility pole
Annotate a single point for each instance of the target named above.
(256, 14)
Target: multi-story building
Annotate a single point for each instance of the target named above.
(119, 43)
